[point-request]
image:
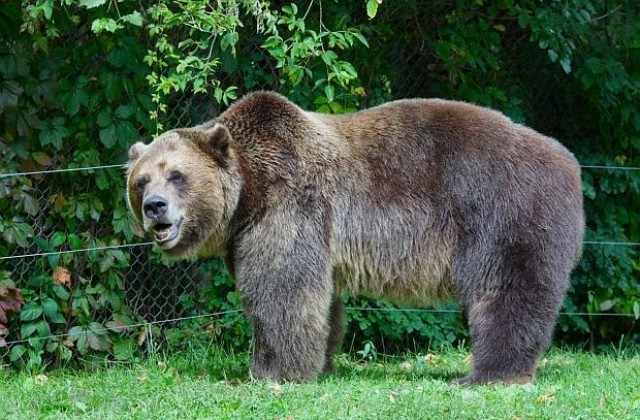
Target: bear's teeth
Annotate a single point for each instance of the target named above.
(163, 232)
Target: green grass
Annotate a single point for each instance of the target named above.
(570, 385)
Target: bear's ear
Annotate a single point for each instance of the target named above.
(216, 142)
(136, 151)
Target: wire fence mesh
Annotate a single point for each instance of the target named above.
(152, 290)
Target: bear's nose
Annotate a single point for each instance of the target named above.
(155, 207)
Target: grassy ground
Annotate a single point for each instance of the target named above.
(570, 385)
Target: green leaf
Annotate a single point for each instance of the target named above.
(57, 239)
(372, 8)
(330, 92)
(217, 93)
(96, 342)
(125, 133)
(102, 180)
(30, 204)
(97, 328)
(42, 158)
(53, 132)
(43, 328)
(30, 311)
(134, 18)
(121, 221)
(75, 332)
(54, 260)
(42, 244)
(47, 8)
(57, 318)
(90, 4)
(105, 24)
(76, 97)
(9, 93)
(61, 293)
(116, 325)
(49, 307)
(117, 57)
(361, 38)
(18, 233)
(104, 118)
(291, 9)
(81, 343)
(124, 111)
(229, 40)
(52, 346)
(106, 263)
(108, 136)
(329, 57)
(27, 329)
(75, 241)
(17, 352)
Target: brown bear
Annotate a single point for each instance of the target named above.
(414, 201)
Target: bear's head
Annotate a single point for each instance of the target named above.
(183, 189)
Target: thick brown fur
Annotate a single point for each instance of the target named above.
(416, 201)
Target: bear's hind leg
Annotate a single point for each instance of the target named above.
(506, 342)
(511, 314)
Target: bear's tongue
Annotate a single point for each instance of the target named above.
(163, 232)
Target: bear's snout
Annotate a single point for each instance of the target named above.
(155, 207)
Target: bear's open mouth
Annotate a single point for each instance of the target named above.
(165, 232)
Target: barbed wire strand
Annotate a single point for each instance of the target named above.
(73, 251)
(108, 247)
(128, 327)
(613, 168)
(122, 165)
(611, 243)
(458, 311)
(59, 171)
(121, 328)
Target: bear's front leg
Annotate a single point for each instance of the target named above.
(288, 344)
(285, 280)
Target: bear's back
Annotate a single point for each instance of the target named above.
(436, 171)
(436, 148)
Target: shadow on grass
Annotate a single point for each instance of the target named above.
(234, 367)
(444, 366)
(411, 368)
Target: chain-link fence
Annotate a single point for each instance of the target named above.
(153, 291)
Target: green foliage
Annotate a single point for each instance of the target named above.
(368, 352)
(396, 328)
(67, 76)
(80, 81)
(213, 315)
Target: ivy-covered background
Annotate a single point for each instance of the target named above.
(80, 81)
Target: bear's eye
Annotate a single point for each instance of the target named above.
(177, 177)
(140, 184)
